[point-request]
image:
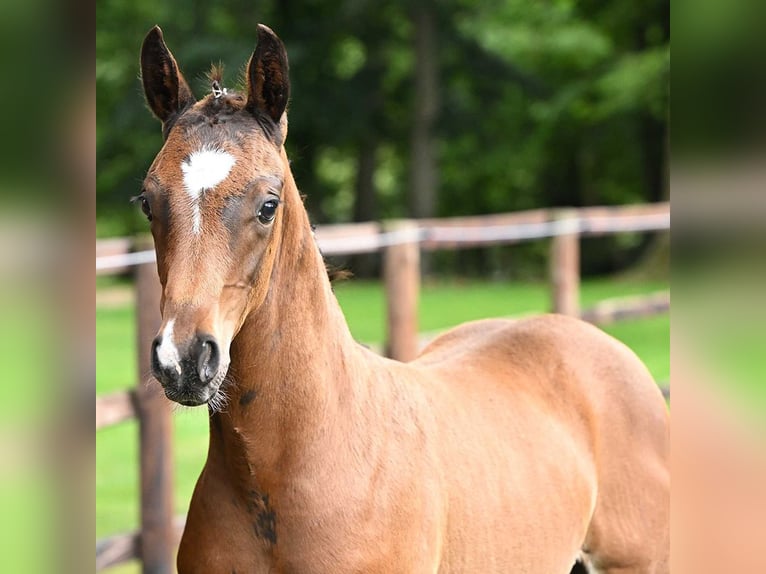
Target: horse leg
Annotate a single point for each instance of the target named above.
(629, 532)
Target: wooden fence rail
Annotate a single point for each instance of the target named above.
(400, 242)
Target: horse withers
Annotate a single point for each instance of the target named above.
(506, 446)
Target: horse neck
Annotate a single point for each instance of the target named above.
(292, 359)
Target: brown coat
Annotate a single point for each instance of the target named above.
(505, 447)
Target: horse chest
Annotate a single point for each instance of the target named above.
(298, 529)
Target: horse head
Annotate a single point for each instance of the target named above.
(216, 198)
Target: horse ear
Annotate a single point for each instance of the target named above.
(268, 81)
(165, 88)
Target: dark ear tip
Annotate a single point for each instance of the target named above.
(155, 33)
(264, 33)
(153, 40)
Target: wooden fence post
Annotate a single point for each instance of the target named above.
(564, 264)
(155, 428)
(401, 272)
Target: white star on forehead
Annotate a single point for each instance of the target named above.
(203, 170)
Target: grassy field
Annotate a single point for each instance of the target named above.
(442, 305)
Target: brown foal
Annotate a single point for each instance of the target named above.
(506, 446)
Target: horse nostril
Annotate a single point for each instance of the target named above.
(163, 368)
(154, 355)
(208, 360)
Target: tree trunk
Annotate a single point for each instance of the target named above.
(305, 173)
(423, 158)
(654, 262)
(423, 172)
(654, 152)
(365, 205)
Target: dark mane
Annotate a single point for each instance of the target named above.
(335, 273)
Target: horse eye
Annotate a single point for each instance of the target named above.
(144, 205)
(267, 211)
(145, 208)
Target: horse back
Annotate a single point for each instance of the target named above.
(566, 363)
(552, 366)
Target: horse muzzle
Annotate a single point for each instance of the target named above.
(192, 375)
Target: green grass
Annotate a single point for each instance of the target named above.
(442, 304)
(720, 323)
(115, 349)
(650, 339)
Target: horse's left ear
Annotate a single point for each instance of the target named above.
(268, 81)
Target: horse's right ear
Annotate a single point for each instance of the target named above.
(165, 88)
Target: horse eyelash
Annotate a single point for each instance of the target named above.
(137, 198)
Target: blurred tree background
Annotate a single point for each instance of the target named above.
(421, 108)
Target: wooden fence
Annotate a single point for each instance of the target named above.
(401, 242)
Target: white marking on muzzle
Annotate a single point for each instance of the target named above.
(167, 353)
(204, 170)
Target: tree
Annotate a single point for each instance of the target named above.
(402, 109)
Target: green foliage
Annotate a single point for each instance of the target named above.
(636, 81)
(540, 103)
(540, 37)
